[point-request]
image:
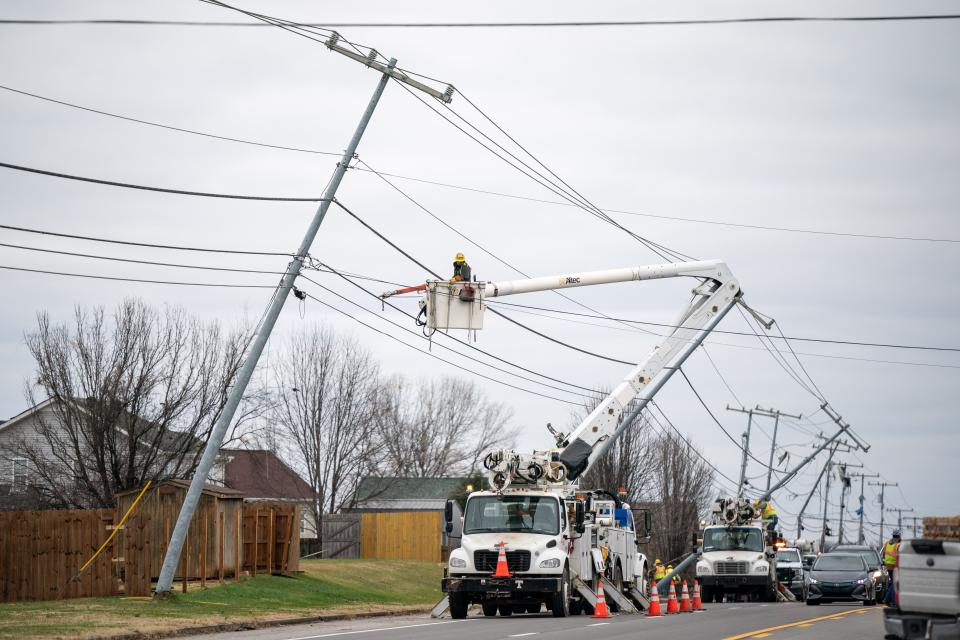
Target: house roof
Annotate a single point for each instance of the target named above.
(390, 488)
(376, 504)
(261, 474)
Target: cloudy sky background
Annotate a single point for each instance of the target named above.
(844, 127)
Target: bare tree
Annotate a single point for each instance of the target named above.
(133, 397)
(328, 393)
(626, 464)
(438, 427)
(680, 490)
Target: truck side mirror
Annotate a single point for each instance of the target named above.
(448, 515)
(694, 539)
(579, 518)
(647, 524)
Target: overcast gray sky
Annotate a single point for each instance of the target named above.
(843, 127)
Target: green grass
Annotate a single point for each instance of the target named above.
(326, 586)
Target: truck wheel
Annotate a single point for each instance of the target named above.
(458, 605)
(533, 608)
(618, 584)
(506, 610)
(560, 604)
(489, 609)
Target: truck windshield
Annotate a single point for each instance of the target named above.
(788, 555)
(530, 514)
(733, 539)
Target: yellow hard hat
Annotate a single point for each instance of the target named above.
(657, 561)
(459, 258)
(669, 566)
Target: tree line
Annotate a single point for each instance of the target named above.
(136, 392)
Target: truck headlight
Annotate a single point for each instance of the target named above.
(814, 581)
(550, 563)
(703, 569)
(877, 573)
(761, 568)
(458, 563)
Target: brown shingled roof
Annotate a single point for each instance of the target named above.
(261, 474)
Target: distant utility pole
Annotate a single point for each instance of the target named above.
(862, 476)
(844, 485)
(883, 486)
(775, 414)
(745, 440)
(900, 511)
(916, 520)
(387, 71)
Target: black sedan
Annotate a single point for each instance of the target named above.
(840, 576)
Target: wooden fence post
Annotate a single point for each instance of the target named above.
(238, 545)
(256, 538)
(271, 540)
(203, 551)
(220, 555)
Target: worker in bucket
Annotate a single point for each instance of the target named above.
(768, 514)
(891, 554)
(461, 270)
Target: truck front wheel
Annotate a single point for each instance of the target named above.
(560, 601)
(489, 609)
(458, 605)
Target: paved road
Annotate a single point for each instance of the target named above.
(720, 622)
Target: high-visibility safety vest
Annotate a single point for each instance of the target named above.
(660, 572)
(768, 511)
(891, 553)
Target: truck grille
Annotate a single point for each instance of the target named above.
(731, 568)
(487, 560)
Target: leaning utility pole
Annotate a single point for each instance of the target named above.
(745, 440)
(775, 414)
(826, 503)
(900, 511)
(883, 486)
(862, 476)
(844, 485)
(387, 71)
(816, 484)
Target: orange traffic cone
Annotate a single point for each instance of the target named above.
(503, 571)
(600, 609)
(654, 608)
(697, 603)
(685, 599)
(672, 600)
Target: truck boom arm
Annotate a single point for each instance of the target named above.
(716, 294)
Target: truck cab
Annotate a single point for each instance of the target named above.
(736, 561)
(537, 530)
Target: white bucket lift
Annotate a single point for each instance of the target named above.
(454, 305)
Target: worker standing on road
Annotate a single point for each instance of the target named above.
(461, 270)
(676, 578)
(891, 555)
(659, 571)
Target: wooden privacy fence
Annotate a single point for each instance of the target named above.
(271, 537)
(402, 535)
(40, 551)
(340, 536)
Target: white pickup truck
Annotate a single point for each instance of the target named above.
(927, 581)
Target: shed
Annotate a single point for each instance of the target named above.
(213, 538)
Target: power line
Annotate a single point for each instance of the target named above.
(455, 339)
(167, 126)
(731, 332)
(141, 187)
(718, 423)
(99, 277)
(494, 311)
(180, 265)
(493, 25)
(722, 223)
(142, 244)
(432, 355)
(474, 242)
